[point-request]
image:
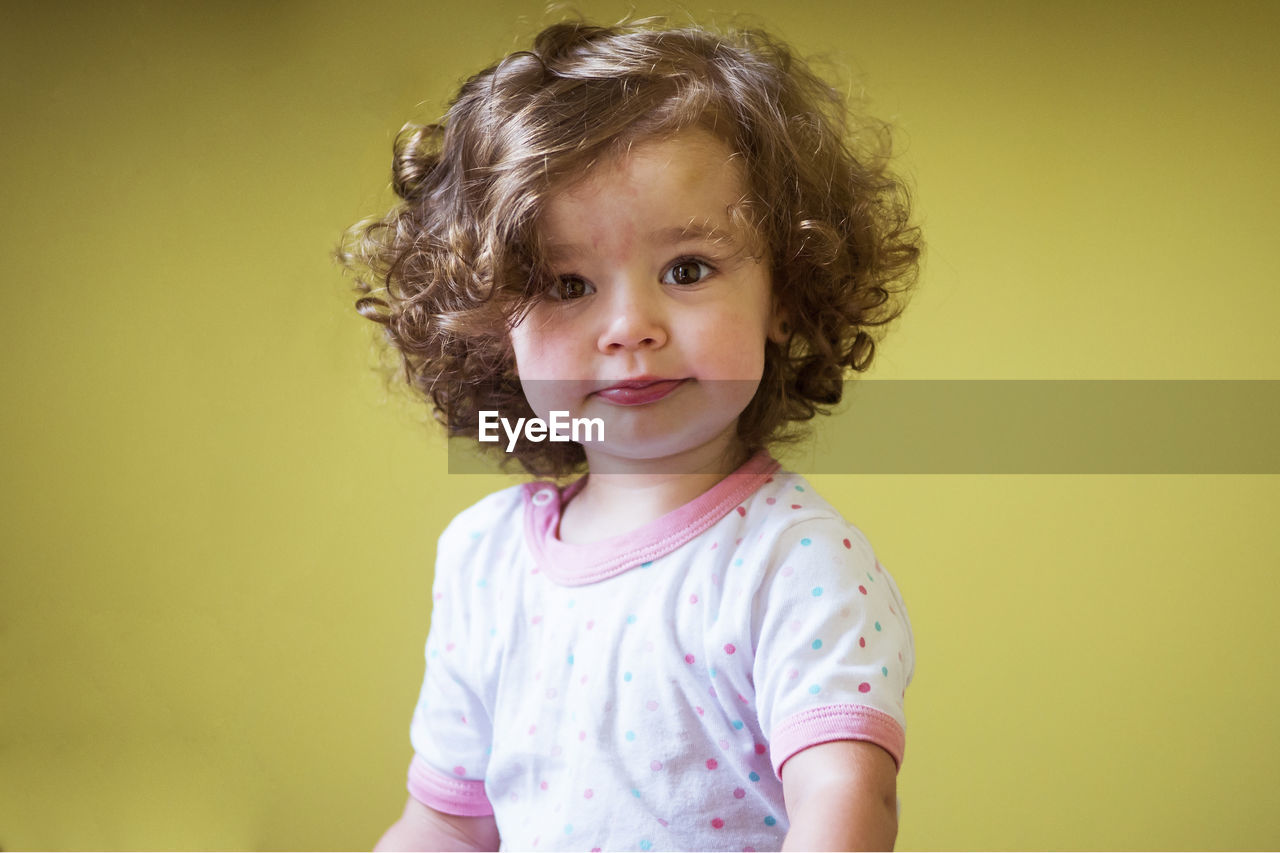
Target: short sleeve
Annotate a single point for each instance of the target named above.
(451, 730)
(834, 652)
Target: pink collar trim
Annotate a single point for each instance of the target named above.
(576, 565)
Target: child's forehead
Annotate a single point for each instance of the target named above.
(692, 160)
(665, 208)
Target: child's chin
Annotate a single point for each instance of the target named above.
(691, 452)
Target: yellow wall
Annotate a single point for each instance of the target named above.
(217, 522)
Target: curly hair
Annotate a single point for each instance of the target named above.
(455, 265)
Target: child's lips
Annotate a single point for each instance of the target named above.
(637, 392)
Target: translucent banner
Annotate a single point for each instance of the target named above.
(950, 427)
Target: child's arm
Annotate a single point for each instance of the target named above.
(424, 828)
(841, 795)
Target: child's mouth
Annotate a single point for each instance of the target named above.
(637, 392)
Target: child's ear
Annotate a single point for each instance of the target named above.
(779, 328)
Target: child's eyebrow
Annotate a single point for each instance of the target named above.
(704, 231)
(701, 231)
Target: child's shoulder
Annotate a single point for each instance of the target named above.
(501, 512)
(792, 510)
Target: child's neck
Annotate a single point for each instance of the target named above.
(613, 502)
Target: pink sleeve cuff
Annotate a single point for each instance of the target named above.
(835, 722)
(464, 797)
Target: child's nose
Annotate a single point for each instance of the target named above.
(634, 321)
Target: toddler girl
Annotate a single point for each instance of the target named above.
(673, 234)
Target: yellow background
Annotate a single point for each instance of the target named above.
(217, 519)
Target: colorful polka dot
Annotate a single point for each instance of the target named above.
(730, 648)
(864, 687)
(588, 794)
(770, 820)
(693, 599)
(460, 770)
(739, 793)
(655, 765)
(631, 735)
(760, 749)
(817, 591)
(737, 724)
(718, 823)
(753, 776)
(568, 829)
(806, 541)
(815, 689)
(646, 844)
(862, 589)
(884, 670)
(626, 676)
(712, 764)
(848, 544)
(689, 658)
(651, 705)
(877, 626)
(817, 644)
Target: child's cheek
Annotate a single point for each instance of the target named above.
(734, 343)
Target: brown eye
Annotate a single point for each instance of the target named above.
(571, 287)
(687, 272)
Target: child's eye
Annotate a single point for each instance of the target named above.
(687, 272)
(570, 287)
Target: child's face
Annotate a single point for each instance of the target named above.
(663, 307)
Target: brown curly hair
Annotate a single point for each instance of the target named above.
(453, 267)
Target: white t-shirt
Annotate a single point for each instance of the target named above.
(644, 691)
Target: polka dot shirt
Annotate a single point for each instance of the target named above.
(644, 692)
